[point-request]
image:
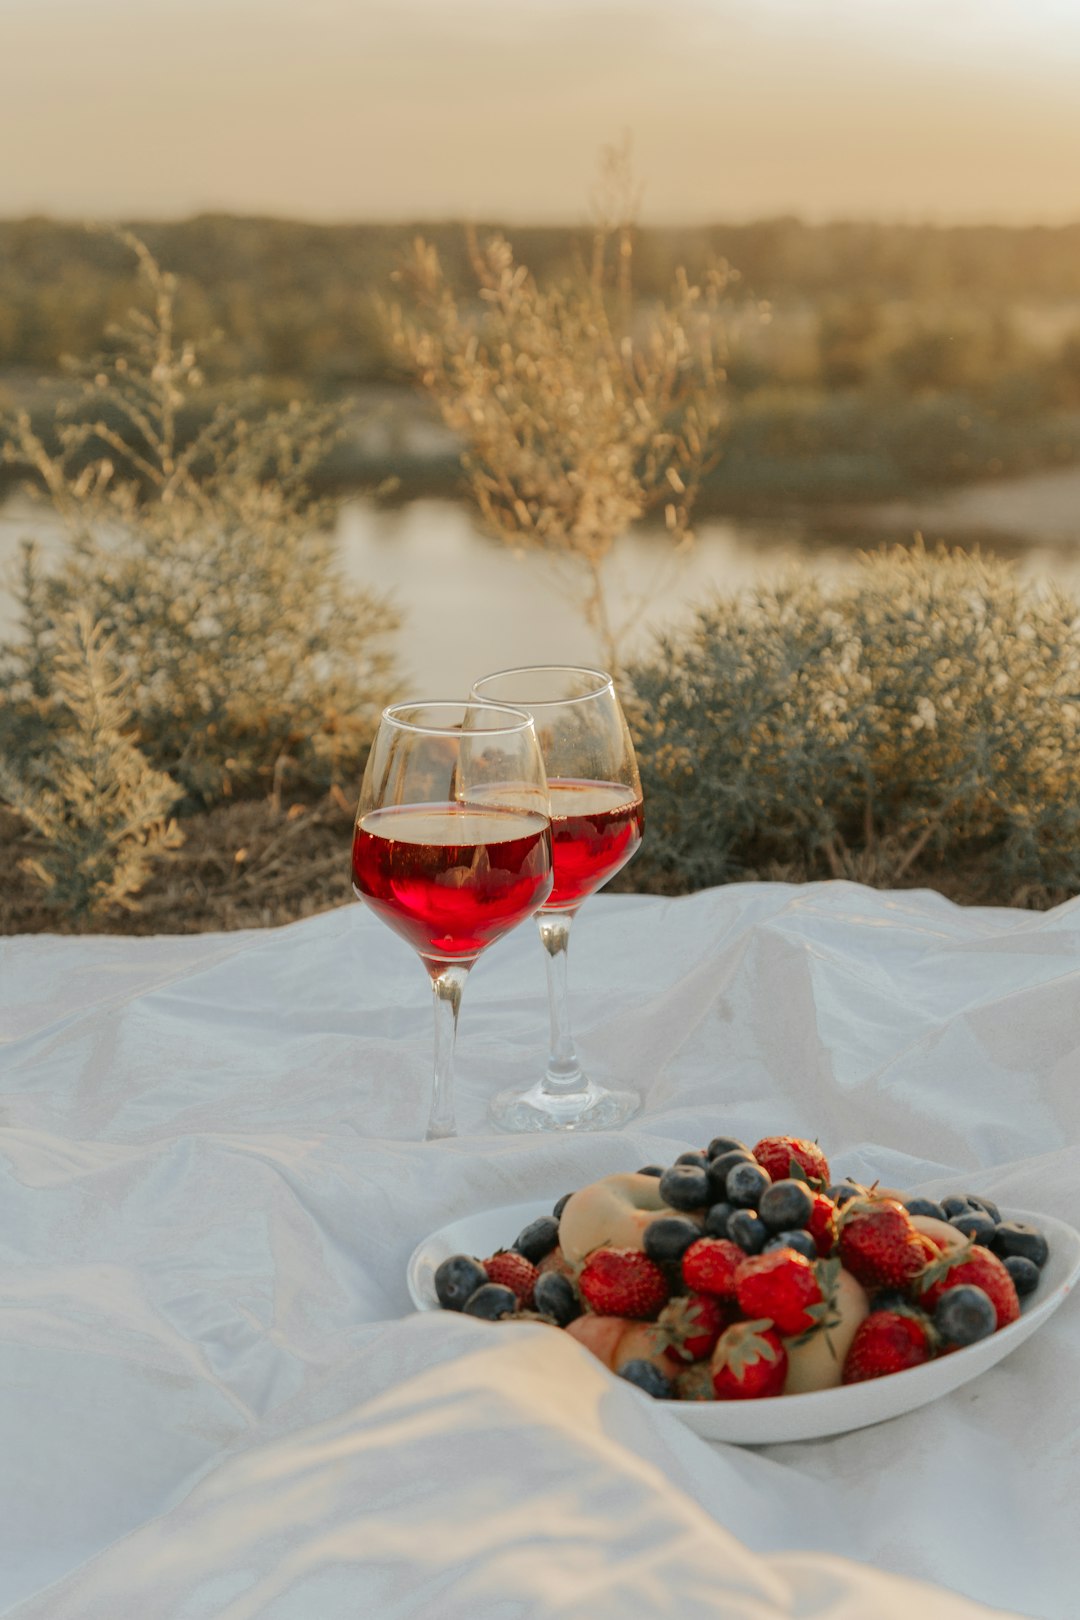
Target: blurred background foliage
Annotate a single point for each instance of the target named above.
(916, 724)
(890, 356)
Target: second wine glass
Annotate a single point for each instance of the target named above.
(596, 826)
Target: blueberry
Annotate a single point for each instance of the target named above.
(556, 1296)
(987, 1204)
(801, 1242)
(685, 1186)
(955, 1205)
(651, 1170)
(491, 1301)
(975, 1224)
(456, 1279)
(648, 1377)
(692, 1156)
(745, 1184)
(747, 1230)
(786, 1205)
(842, 1192)
(1024, 1273)
(964, 1315)
(561, 1205)
(717, 1218)
(1016, 1237)
(719, 1167)
(725, 1144)
(925, 1206)
(538, 1238)
(668, 1238)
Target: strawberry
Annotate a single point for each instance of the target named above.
(822, 1223)
(977, 1266)
(777, 1153)
(879, 1245)
(888, 1342)
(749, 1362)
(782, 1286)
(514, 1272)
(710, 1264)
(693, 1324)
(623, 1282)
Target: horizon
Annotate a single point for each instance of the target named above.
(498, 221)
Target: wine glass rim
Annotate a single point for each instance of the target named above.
(605, 683)
(394, 713)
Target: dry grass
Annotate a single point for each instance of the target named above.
(257, 864)
(253, 864)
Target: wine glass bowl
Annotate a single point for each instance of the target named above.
(452, 845)
(596, 827)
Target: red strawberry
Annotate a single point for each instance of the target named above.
(710, 1265)
(780, 1285)
(887, 1342)
(514, 1272)
(822, 1223)
(979, 1267)
(623, 1282)
(879, 1245)
(749, 1361)
(693, 1322)
(775, 1153)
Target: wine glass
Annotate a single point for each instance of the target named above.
(596, 826)
(452, 846)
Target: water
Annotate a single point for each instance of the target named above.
(470, 605)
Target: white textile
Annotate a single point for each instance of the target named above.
(214, 1404)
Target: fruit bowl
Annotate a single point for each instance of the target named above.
(789, 1417)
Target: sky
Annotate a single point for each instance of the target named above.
(903, 110)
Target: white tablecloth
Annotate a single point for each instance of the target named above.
(215, 1405)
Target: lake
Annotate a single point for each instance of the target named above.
(471, 605)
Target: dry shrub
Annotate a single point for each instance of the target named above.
(204, 556)
(924, 714)
(579, 414)
(97, 811)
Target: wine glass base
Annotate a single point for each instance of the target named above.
(594, 1108)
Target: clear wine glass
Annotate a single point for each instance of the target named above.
(596, 826)
(452, 846)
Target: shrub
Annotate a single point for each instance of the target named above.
(578, 416)
(207, 562)
(925, 711)
(97, 807)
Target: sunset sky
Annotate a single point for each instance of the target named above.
(393, 109)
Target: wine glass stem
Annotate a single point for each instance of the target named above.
(447, 983)
(564, 1076)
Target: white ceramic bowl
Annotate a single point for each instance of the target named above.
(789, 1417)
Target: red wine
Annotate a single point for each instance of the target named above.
(450, 878)
(595, 828)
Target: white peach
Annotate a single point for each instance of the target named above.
(600, 1334)
(612, 1213)
(940, 1232)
